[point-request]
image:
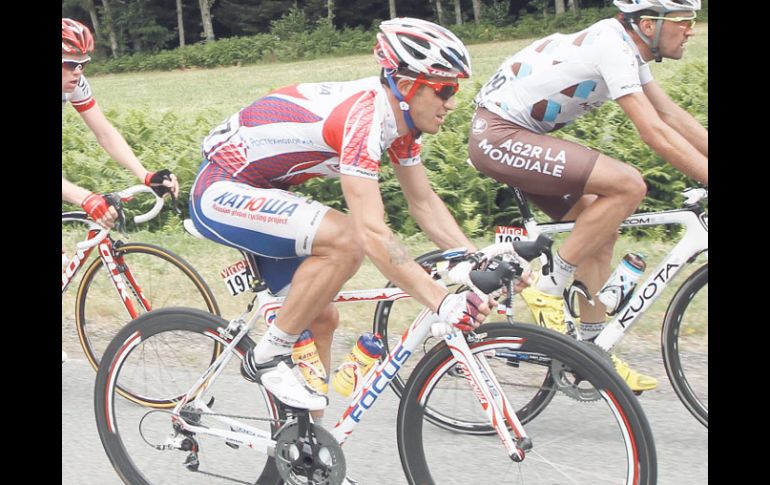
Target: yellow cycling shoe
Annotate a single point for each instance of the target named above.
(636, 381)
(548, 310)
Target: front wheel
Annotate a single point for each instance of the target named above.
(593, 431)
(162, 354)
(684, 341)
(149, 274)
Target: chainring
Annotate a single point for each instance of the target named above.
(303, 462)
(571, 384)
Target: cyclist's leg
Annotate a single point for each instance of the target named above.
(620, 189)
(277, 224)
(594, 269)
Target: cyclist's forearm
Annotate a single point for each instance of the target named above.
(391, 257)
(687, 126)
(677, 151)
(72, 193)
(119, 150)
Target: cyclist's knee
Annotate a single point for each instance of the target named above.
(613, 178)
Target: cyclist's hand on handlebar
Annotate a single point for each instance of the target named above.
(97, 207)
(465, 310)
(524, 281)
(162, 182)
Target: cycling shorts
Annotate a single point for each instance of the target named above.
(551, 172)
(276, 225)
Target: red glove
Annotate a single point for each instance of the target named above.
(96, 206)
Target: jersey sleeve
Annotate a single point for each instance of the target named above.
(82, 99)
(620, 69)
(361, 144)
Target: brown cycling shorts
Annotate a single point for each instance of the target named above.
(551, 172)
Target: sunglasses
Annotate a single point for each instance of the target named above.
(443, 89)
(72, 65)
(678, 20)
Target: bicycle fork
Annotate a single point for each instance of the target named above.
(494, 402)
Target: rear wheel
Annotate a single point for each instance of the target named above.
(592, 432)
(160, 356)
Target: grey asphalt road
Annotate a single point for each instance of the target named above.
(681, 442)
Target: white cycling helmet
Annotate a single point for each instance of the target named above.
(422, 47)
(661, 6)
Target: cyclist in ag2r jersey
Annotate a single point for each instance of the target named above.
(336, 129)
(549, 84)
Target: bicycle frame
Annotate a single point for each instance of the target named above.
(116, 267)
(692, 243)
(99, 237)
(478, 373)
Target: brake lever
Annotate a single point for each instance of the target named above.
(175, 205)
(114, 200)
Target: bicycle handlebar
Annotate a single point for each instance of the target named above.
(484, 282)
(124, 196)
(693, 195)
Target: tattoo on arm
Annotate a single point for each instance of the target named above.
(397, 251)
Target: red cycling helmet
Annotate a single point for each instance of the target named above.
(76, 39)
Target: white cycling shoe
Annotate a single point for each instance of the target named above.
(284, 383)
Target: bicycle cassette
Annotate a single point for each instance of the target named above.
(315, 458)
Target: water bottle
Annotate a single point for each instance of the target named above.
(305, 356)
(620, 286)
(357, 363)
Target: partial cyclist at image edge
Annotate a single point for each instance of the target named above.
(77, 44)
(305, 249)
(547, 85)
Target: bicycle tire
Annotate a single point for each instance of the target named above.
(526, 412)
(675, 335)
(161, 276)
(569, 438)
(165, 349)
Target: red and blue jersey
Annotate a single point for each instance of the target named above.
(311, 130)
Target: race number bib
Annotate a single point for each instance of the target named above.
(237, 277)
(510, 234)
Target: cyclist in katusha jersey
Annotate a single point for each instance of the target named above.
(550, 83)
(76, 45)
(241, 196)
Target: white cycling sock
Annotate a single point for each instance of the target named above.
(275, 342)
(589, 331)
(560, 277)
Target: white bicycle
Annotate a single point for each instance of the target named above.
(684, 328)
(212, 426)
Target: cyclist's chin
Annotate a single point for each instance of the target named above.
(429, 128)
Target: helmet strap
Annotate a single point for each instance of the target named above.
(402, 102)
(651, 43)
